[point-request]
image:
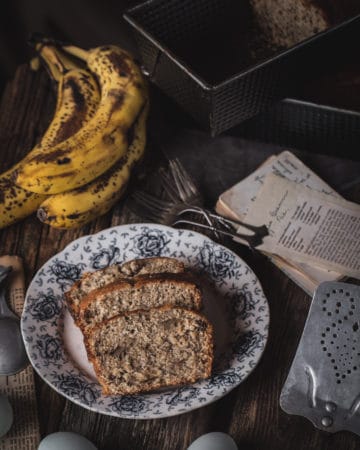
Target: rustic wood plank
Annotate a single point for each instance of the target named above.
(250, 413)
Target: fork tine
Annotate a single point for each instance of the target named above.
(149, 200)
(168, 184)
(178, 184)
(155, 209)
(183, 181)
(177, 176)
(141, 207)
(152, 215)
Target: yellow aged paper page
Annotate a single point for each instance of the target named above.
(240, 197)
(307, 226)
(235, 203)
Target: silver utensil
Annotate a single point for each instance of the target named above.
(185, 208)
(323, 383)
(13, 356)
(179, 189)
(179, 186)
(221, 225)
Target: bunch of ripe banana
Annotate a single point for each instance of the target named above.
(83, 162)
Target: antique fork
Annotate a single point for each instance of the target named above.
(185, 189)
(187, 200)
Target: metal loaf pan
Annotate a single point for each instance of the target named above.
(162, 26)
(307, 126)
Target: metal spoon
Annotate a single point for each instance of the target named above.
(13, 356)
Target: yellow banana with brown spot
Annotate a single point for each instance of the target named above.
(77, 99)
(79, 206)
(103, 140)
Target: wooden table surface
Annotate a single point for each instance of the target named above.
(251, 412)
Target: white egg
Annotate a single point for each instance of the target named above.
(65, 440)
(6, 415)
(214, 441)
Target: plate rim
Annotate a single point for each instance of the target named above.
(144, 416)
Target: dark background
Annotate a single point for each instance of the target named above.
(83, 22)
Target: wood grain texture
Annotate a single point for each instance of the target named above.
(251, 412)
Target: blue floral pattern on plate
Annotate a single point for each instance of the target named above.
(42, 319)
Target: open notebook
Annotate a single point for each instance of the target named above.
(235, 203)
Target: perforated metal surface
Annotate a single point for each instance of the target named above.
(323, 384)
(160, 25)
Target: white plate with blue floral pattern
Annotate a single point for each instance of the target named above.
(45, 319)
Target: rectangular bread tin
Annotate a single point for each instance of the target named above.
(183, 51)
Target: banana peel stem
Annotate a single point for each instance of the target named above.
(76, 51)
(54, 66)
(57, 59)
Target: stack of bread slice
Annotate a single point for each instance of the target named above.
(142, 325)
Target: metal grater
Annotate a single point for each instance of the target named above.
(323, 384)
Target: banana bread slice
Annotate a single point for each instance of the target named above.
(287, 22)
(136, 267)
(145, 350)
(140, 293)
